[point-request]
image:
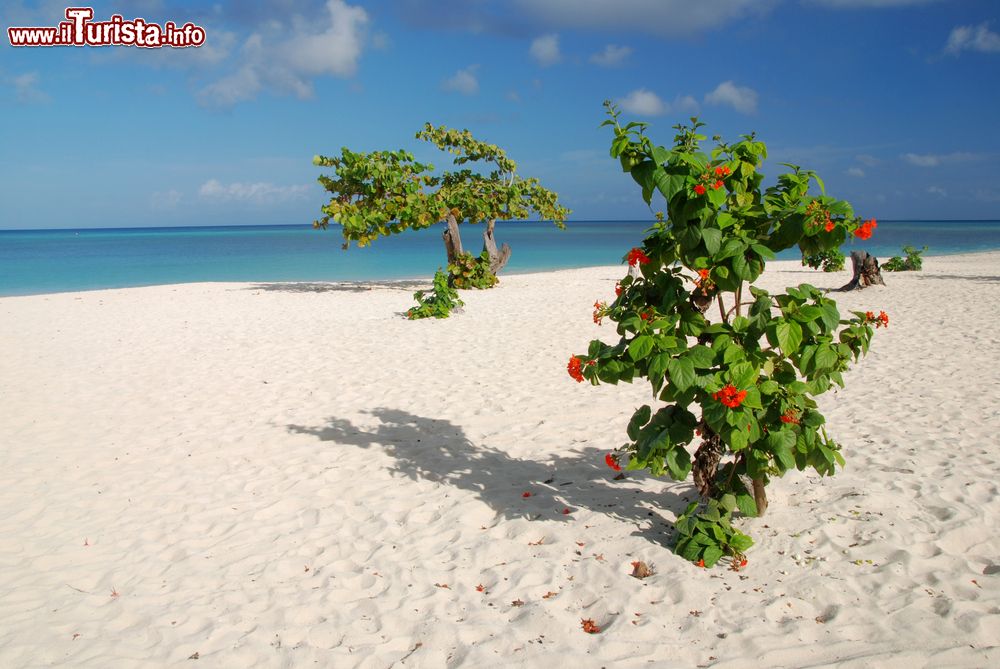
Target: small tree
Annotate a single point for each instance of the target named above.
(386, 192)
(743, 381)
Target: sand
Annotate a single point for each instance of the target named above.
(293, 475)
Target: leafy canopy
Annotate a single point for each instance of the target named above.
(386, 192)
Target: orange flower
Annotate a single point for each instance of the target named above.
(699, 189)
(589, 626)
(791, 416)
(611, 461)
(574, 369)
(701, 563)
(729, 396)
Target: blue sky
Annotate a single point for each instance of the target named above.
(894, 102)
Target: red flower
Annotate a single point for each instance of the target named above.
(791, 416)
(701, 563)
(717, 185)
(589, 626)
(703, 273)
(611, 461)
(743, 562)
(647, 315)
(526, 494)
(721, 171)
(729, 396)
(829, 225)
(618, 288)
(883, 320)
(636, 256)
(865, 230)
(480, 588)
(599, 308)
(699, 189)
(574, 369)
(565, 512)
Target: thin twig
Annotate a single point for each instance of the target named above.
(722, 310)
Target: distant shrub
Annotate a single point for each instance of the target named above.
(911, 263)
(436, 303)
(468, 271)
(830, 261)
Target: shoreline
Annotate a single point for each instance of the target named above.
(419, 282)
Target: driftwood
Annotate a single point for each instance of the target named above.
(866, 272)
(497, 258)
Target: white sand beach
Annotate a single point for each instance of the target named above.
(289, 475)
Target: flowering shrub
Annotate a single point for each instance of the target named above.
(743, 381)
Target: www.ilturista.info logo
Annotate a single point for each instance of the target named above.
(80, 30)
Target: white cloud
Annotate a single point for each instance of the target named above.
(611, 56)
(165, 200)
(258, 193)
(867, 160)
(937, 190)
(287, 58)
(686, 104)
(463, 81)
(855, 172)
(933, 160)
(740, 98)
(973, 38)
(647, 103)
(545, 50)
(26, 88)
(513, 96)
(644, 103)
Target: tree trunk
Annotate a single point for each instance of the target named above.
(497, 258)
(759, 497)
(452, 239)
(866, 271)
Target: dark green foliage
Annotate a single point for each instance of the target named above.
(912, 263)
(438, 302)
(830, 261)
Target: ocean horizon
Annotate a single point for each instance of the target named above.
(63, 260)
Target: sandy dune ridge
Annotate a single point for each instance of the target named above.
(290, 475)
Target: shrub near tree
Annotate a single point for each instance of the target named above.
(736, 368)
(388, 192)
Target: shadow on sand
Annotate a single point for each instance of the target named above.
(339, 287)
(437, 450)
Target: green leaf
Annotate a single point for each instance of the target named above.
(826, 357)
(747, 505)
(789, 337)
(681, 370)
(713, 239)
(640, 347)
(678, 463)
(741, 268)
(741, 542)
(732, 247)
(658, 365)
(639, 418)
(728, 502)
(737, 439)
(712, 555)
(742, 374)
(701, 356)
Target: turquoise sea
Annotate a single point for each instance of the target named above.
(47, 261)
